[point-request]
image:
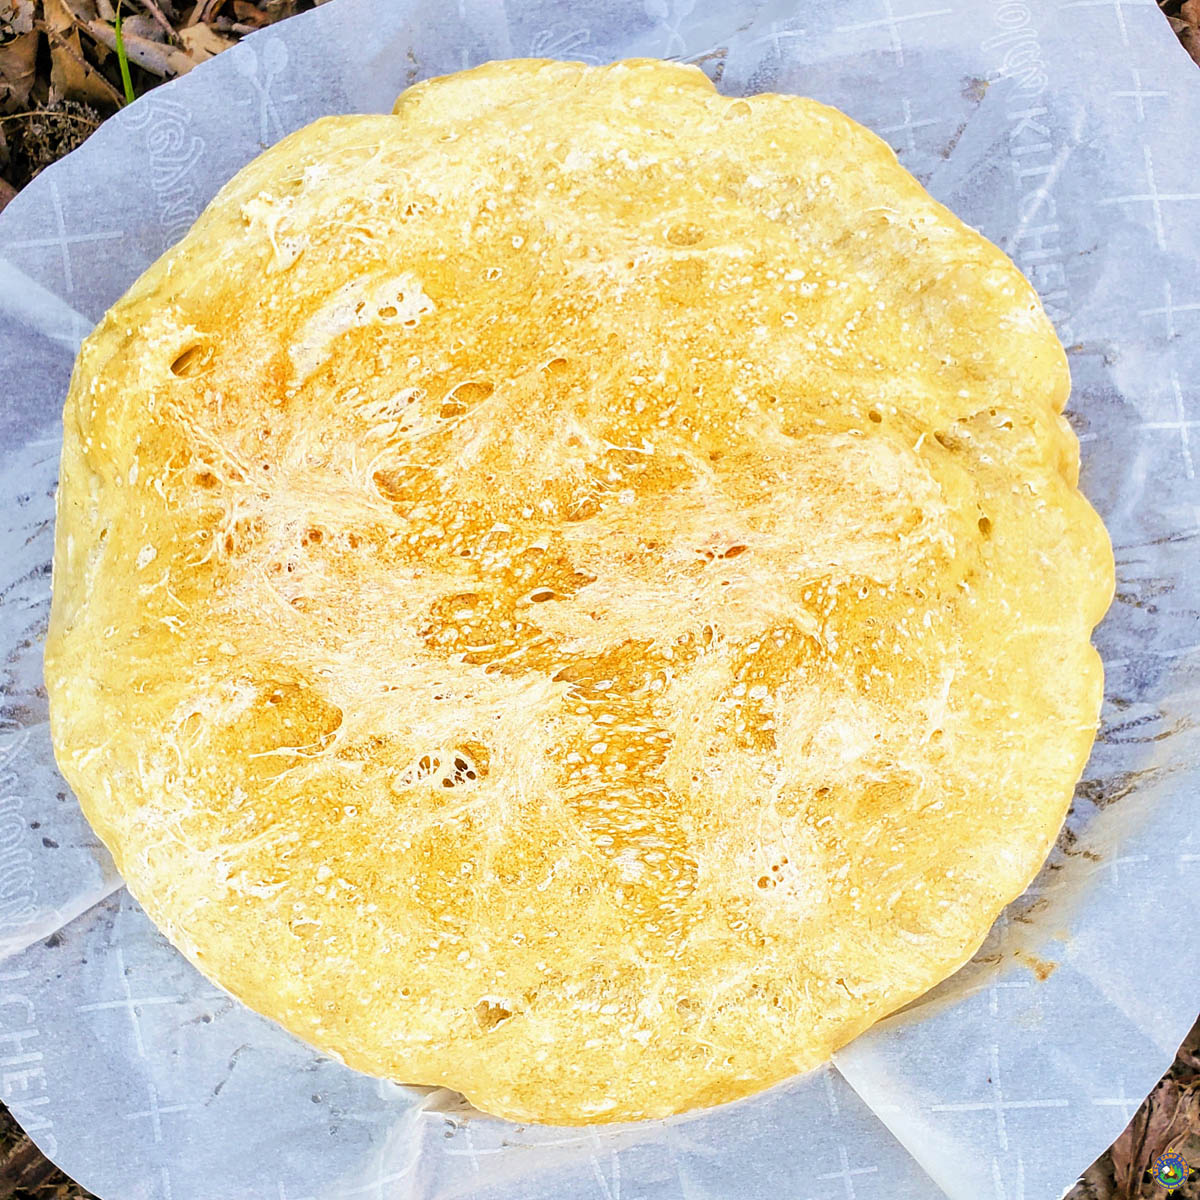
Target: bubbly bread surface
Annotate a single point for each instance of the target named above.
(576, 590)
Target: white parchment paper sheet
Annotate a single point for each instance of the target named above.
(1066, 131)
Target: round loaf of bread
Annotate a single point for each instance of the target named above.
(576, 590)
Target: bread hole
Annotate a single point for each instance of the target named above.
(737, 110)
(687, 1008)
(388, 311)
(464, 397)
(542, 595)
(985, 526)
(461, 772)
(191, 361)
(875, 415)
(734, 551)
(764, 881)
(474, 392)
(556, 366)
(489, 1014)
(456, 768)
(478, 757)
(685, 234)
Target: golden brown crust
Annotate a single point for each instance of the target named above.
(576, 590)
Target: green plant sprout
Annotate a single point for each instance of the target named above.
(123, 58)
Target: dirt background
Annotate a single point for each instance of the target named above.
(61, 76)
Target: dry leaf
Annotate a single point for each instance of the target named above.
(1190, 37)
(250, 14)
(142, 25)
(71, 76)
(1096, 1183)
(17, 62)
(203, 41)
(1169, 1116)
(7, 191)
(1188, 1058)
(1187, 26)
(66, 53)
(17, 16)
(82, 10)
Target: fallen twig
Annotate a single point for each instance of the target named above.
(157, 13)
(204, 11)
(160, 60)
(58, 114)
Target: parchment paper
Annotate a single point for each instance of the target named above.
(1065, 131)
